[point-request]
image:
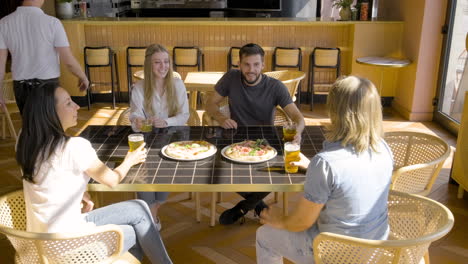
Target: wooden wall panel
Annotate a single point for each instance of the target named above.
(215, 39)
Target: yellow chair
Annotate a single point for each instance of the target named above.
(321, 61)
(188, 57)
(415, 222)
(103, 244)
(418, 159)
(11, 107)
(291, 79)
(98, 57)
(233, 58)
(135, 59)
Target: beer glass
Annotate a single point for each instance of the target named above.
(147, 125)
(291, 153)
(289, 131)
(135, 140)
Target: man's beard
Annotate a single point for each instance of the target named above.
(250, 83)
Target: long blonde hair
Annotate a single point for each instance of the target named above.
(149, 83)
(355, 112)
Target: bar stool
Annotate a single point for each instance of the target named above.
(322, 58)
(288, 58)
(233, 58)
(96, 57)
(188, 57)
(135, 59)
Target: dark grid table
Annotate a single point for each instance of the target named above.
(213, 174)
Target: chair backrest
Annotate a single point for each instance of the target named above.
(414, 221)
(287, 57)
(124, 118)
(97, 56)
(418, 159)
(136, 56)
(290, 79)
(280, 115)
(187, 57)
(103, 243)
(326, 58)
(233, 58)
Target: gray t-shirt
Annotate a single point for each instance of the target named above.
(354, 189)
(253, 105)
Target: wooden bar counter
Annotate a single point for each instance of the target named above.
(216, 35)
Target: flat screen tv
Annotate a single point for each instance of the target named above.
(260, 5)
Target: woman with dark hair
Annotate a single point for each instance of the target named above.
(9, 6)
(57, 168)
(347, 183)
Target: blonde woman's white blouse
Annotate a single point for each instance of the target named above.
(160, 105)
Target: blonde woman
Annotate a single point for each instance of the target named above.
(161, 98)
(347, 183)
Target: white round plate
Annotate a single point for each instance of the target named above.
(245, 162)
(208, 154)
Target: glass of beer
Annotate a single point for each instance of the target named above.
(289, 131)
(291, 153)
(147, 125)
(135, 140)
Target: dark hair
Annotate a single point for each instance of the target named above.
(9, 6)
(42, 131)
(251, 49)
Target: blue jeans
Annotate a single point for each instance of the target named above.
(273, 244)
(135, 220)
(153, 197)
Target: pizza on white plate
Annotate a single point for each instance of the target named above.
(189, 150)
(250, 151)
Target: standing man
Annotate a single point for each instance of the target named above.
(36, 42)
(253, 98)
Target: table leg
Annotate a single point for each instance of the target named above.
(220, 197)
(381, 82)
(197, 206)
(96, 197)
(276, 195)
(285, 204)
(193, 100)
(213, 209)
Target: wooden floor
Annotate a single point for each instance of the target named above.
(190, 242)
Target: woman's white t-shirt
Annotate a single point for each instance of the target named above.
(53, 201)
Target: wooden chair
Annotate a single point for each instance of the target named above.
(102, 244)
(287, 58)
(135, 59)
(188, 57)
(233, 58)
(99, 57)
(415, 222)
(10, 108)
(418, 159)
(321, 61)
(291, 79)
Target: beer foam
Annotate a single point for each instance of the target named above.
(292, 147)
(136, 138)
